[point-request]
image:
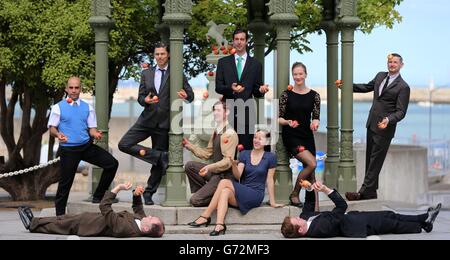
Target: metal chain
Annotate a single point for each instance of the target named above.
(31, 169)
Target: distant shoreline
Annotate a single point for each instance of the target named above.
(418, 95)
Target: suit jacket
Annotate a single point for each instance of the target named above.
(158, 115)
(352, 224)
(251, 78)
(392, 103)
(327, 223)
(107, 223)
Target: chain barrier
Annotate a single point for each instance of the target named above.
(31, 169)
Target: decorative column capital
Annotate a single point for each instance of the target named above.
(177, 12)
(282, 12)
(101, 14)
(346, 14)
(101, 20)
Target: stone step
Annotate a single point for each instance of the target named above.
(264, 215)
(231, 229)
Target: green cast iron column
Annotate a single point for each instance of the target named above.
(283, 17)
(177, 17)
(101, 22)
(332, 160)
(348, 23)
(259, 29)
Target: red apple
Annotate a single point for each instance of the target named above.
(222, 48)
(211, 73)
(206, 94)
(69, 100)
(240, 148)
(225, 52)
(229, 47)
(213, 47)
(305, 184)
(216, 52)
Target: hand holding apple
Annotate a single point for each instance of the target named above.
(182, 94)
(264, 89)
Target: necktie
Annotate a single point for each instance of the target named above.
(162, 78)
(385, 85)
(239, 67)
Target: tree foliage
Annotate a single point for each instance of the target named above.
(41, 44)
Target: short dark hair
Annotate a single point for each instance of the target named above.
(288, 229)
(162, 45)
(398, 56)
(299, 64)
(221, 102)
(157, 230)
(267, 148)
(240, 30)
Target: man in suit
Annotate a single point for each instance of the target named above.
(204, 178)
(336, 223)
(154, 121)
(73, 122)
(107, 223)
(239, 77)
(390, 103)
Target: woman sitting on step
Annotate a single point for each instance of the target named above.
(253, 169)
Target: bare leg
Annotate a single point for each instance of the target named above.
(215, 200)
(226, 197)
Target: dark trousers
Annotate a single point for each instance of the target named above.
(244, 125)
(203, 188)
(62, 225)
(376, 151)
(388, 222)
(160, 143)
(70, 158)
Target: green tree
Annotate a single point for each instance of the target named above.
(42, 43)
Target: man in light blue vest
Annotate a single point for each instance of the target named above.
(73, 122)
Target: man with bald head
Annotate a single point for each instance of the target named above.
(73, 122)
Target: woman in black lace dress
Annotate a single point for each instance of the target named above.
(299, 115)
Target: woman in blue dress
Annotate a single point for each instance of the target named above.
(254, 169)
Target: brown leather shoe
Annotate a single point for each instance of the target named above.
(352, 196)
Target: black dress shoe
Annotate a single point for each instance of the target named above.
(148, 198)
(195, 224)
(222, 231)
(295, 204)
(26, 215)
(353, 196)
(432, 213)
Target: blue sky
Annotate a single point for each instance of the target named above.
(422, 38)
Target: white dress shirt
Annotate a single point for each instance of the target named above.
(244, 59)
(158, 77)
(55, 115)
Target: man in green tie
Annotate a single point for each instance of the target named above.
(239, 77)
